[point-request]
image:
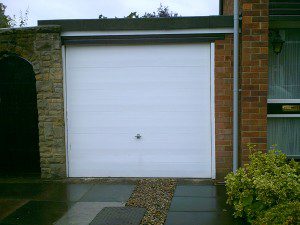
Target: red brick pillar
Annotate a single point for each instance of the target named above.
(254, 76)
(223, 105)
(228, 7)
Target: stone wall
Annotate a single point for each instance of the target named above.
(41, 46)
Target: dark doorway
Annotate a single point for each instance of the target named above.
(19, 149)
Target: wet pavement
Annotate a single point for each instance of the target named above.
(200, 205)
(64, 204)
(43, 204)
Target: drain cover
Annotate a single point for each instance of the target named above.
(119, 216)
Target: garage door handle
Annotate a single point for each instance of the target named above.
(138, 136)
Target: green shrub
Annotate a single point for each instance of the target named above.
(267, 181)
(282, 214)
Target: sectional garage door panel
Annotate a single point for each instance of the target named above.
(161, 92)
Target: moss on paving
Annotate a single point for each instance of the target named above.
(155, 195)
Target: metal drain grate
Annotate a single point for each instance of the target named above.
(119, 216)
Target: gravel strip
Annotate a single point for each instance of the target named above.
(155, 195)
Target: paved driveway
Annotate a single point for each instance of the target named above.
(200, 204)
(62, 204)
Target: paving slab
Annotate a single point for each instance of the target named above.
(192, 204)
(221, 191)
(200, 191)
(64, 192)
(108, 193)
(7, 206)
(37, 213)
(195, 191)
(119, 216)
(21, 190)
(201, 218)
(82, 213)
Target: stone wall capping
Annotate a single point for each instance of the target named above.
(31, 30)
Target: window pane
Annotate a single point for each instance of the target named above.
(284, 68)
(285, 133)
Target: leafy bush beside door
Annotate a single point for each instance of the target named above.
(268, 181)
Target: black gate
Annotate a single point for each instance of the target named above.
(19, 151)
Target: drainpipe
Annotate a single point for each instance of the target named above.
(235, 84)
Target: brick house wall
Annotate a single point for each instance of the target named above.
(228, 7)
(254, 76)
(253, 83)
(223, 105)
(41, 46)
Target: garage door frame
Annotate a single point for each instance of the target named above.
(212, 107)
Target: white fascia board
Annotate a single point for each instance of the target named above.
(284, 101)
(146, 32)
(283, 115)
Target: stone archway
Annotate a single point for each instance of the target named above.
(41, 46)
(19, 134)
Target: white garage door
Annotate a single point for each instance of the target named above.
(159, 92)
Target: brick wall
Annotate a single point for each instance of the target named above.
(223, 105)
(253, 80)
(42, 47)
(228, 7)
(254, 76)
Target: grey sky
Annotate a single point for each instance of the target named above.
(88, 9)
